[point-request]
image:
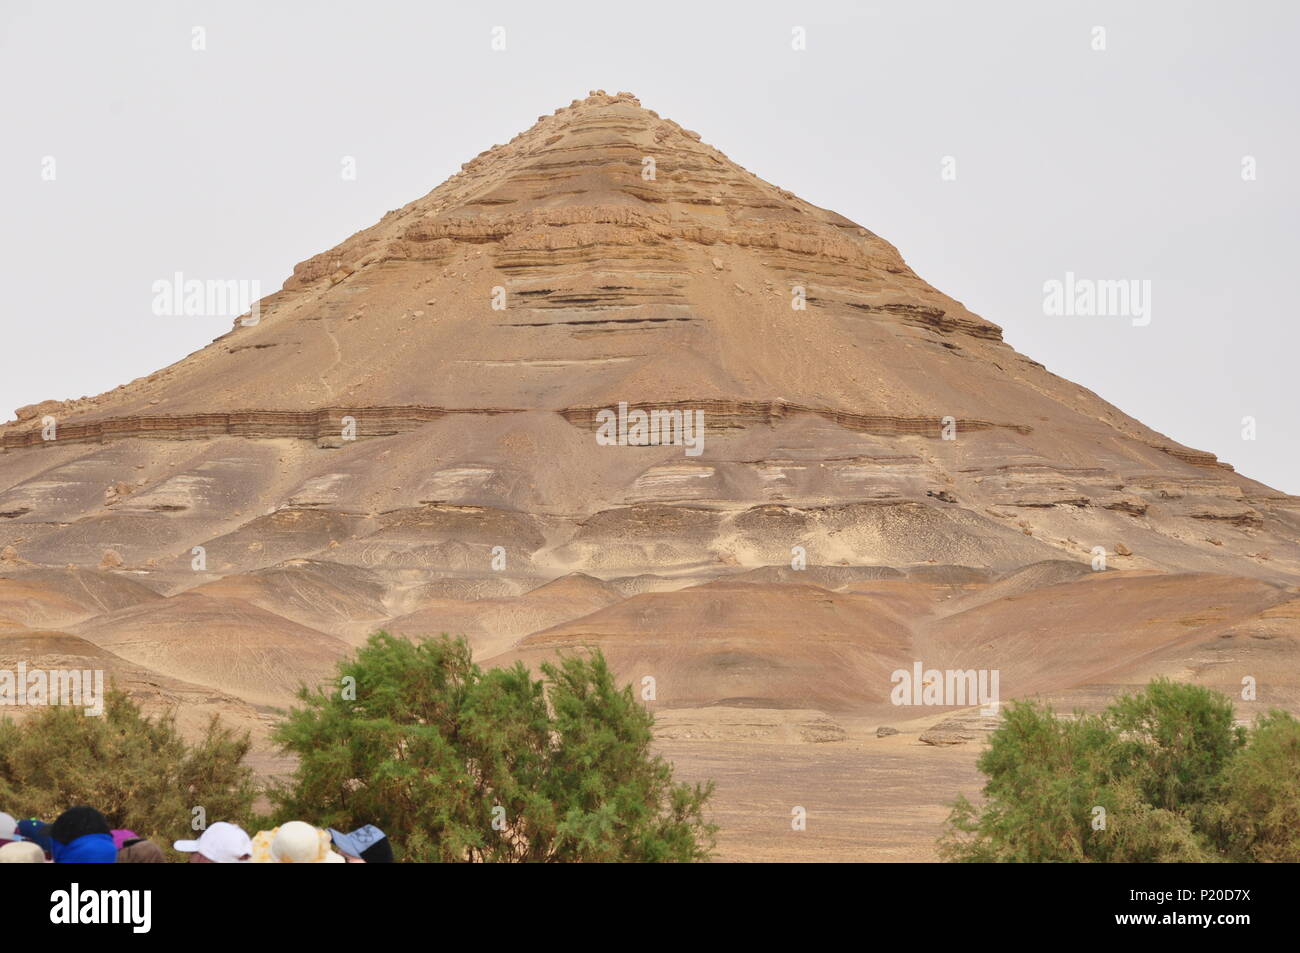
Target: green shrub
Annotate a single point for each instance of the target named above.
(458, 764)
(1261, 809)
(1045, 775)
(1176, 741)
(1161, 776)
(137, 770)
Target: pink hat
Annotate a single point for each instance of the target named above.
(120, 837)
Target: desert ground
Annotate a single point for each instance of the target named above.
(413, 434)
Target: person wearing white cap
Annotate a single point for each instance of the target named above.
(221, 843)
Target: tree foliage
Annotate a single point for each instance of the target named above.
(1163, 775)
(460, 764)
(137, 770)
(1260, 813)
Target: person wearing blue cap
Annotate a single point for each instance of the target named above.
(38, 832)
(365, 845)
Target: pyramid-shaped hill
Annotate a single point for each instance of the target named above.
(617, 287)
(432, 389)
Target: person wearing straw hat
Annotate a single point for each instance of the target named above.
(295, 842)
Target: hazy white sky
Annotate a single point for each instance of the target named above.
(1122, 163)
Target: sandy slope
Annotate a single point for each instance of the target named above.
(213, 533)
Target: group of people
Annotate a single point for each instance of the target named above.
(82, 835)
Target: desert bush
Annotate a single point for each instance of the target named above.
(1260, 811)
(135, 769)
(456, 763)
(1175, 742)
(1163, 775)
(1045, 775)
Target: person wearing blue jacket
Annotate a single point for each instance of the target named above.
(81, 835)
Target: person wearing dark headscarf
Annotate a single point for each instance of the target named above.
(81, 835)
